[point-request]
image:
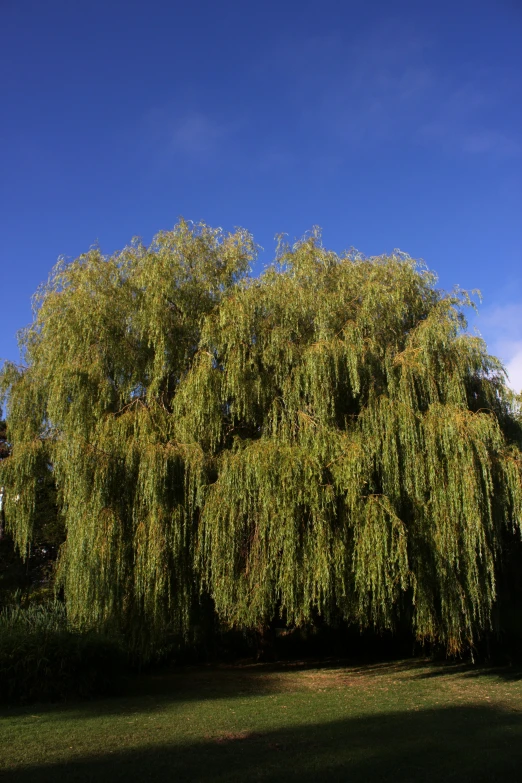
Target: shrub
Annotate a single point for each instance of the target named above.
(43, 659)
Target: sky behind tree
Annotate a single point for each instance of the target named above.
(390, 125)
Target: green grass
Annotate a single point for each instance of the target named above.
(406, 721)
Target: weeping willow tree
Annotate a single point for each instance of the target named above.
(325, 440)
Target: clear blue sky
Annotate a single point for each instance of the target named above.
(389, 124)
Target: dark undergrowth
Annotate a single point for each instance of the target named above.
(42, 658)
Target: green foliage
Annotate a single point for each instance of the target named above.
(323, 440)
(33, 577)
(42, 658)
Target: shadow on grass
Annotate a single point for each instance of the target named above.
(449, 744)
(154, 691)
(428, 669)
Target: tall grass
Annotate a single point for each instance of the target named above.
(42, 618)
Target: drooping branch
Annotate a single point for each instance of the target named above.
(325, 439)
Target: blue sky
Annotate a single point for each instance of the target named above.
(389, 124)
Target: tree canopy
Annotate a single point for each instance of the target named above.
(325, 439)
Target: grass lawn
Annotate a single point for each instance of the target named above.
(406, 721)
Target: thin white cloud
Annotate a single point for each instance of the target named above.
(274, 159)
(501, 327)
(514, 369)
(471, 118)
(195, 134)
(348, 93)
(485, 141)
(393, 86)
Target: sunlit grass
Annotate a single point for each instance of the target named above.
(403, 721)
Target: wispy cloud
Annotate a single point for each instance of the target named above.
(490, 141)
(194, 134)
(469, 113)
(514, 369)
(341, 92)
(501, 327)
(392, 86)
(274, 159)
